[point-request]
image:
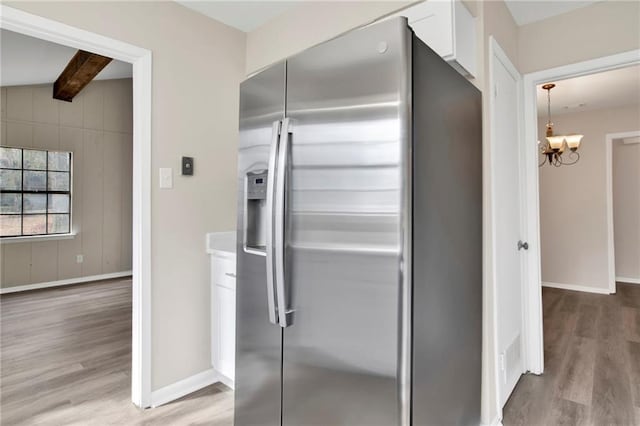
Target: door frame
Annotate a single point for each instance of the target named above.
(496, 53)
(533, 286)
(609, 138)
(46, 29)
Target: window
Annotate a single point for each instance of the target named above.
(35, 192)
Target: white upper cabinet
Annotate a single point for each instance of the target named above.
(448, 28)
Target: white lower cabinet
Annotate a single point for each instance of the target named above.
(223, 316)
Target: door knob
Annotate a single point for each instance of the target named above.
(523, 245)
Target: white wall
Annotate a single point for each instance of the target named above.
(309, 24)
(601, 29)
(626, 208)
(573, 221)
(198, 64)
(97, 127)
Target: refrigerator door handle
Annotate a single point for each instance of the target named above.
(271, 186)
(284, 315)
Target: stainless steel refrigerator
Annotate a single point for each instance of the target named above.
(359, 277)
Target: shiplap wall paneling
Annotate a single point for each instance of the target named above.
(97, 127)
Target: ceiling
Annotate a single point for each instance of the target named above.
(27, 60)
(527, 11)
(609, 89)
(249, 15)
(243, 15)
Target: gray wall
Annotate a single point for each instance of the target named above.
(97, 128)
(573, 215)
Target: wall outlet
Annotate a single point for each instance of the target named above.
(79, 258)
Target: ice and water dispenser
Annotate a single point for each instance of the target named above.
(256, 211)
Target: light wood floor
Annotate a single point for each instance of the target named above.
(65, 357)
(592, 362)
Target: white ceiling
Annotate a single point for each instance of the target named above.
(249, 15)
(610, 89)
(28, 60)
(243, 15)
(527, 11)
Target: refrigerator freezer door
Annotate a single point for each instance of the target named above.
(347, 100)
(258, 341)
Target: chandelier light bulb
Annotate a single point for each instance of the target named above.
(555, 142)
(573, 141)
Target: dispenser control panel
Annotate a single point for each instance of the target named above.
(257, 185)
(255, 214)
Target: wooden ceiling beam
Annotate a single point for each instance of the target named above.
(79, 72)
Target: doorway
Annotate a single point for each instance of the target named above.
(533, 320)
(623, 207)
(578, 333)
(34, 26)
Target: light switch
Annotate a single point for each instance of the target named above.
(187, 166)
(166, 178)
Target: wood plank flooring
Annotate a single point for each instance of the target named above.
(592, 362)
(65, 356)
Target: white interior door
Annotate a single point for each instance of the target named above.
(507, 214)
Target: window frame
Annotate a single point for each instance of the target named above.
(46, 192)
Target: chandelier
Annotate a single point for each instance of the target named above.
(554, 147)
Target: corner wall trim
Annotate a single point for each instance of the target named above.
(60, 283)
(183, 387)
(574, 287)
(628, 280)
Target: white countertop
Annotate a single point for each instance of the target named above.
(221, 242)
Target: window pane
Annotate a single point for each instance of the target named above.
(34, 181)
(10, 203)
(11, 158)
(58, 223)
(58, 181)
(58, 203)
(34, 224)
(35, 160)
(59, 161)
(9, 225)
(10, 180)
(35, 203)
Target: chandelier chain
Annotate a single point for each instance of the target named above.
(549, 107)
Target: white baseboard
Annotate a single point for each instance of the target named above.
(574, 287)
(497, 421)
(225, 380)
(628, 280)
(183, 387)
(69, 281)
